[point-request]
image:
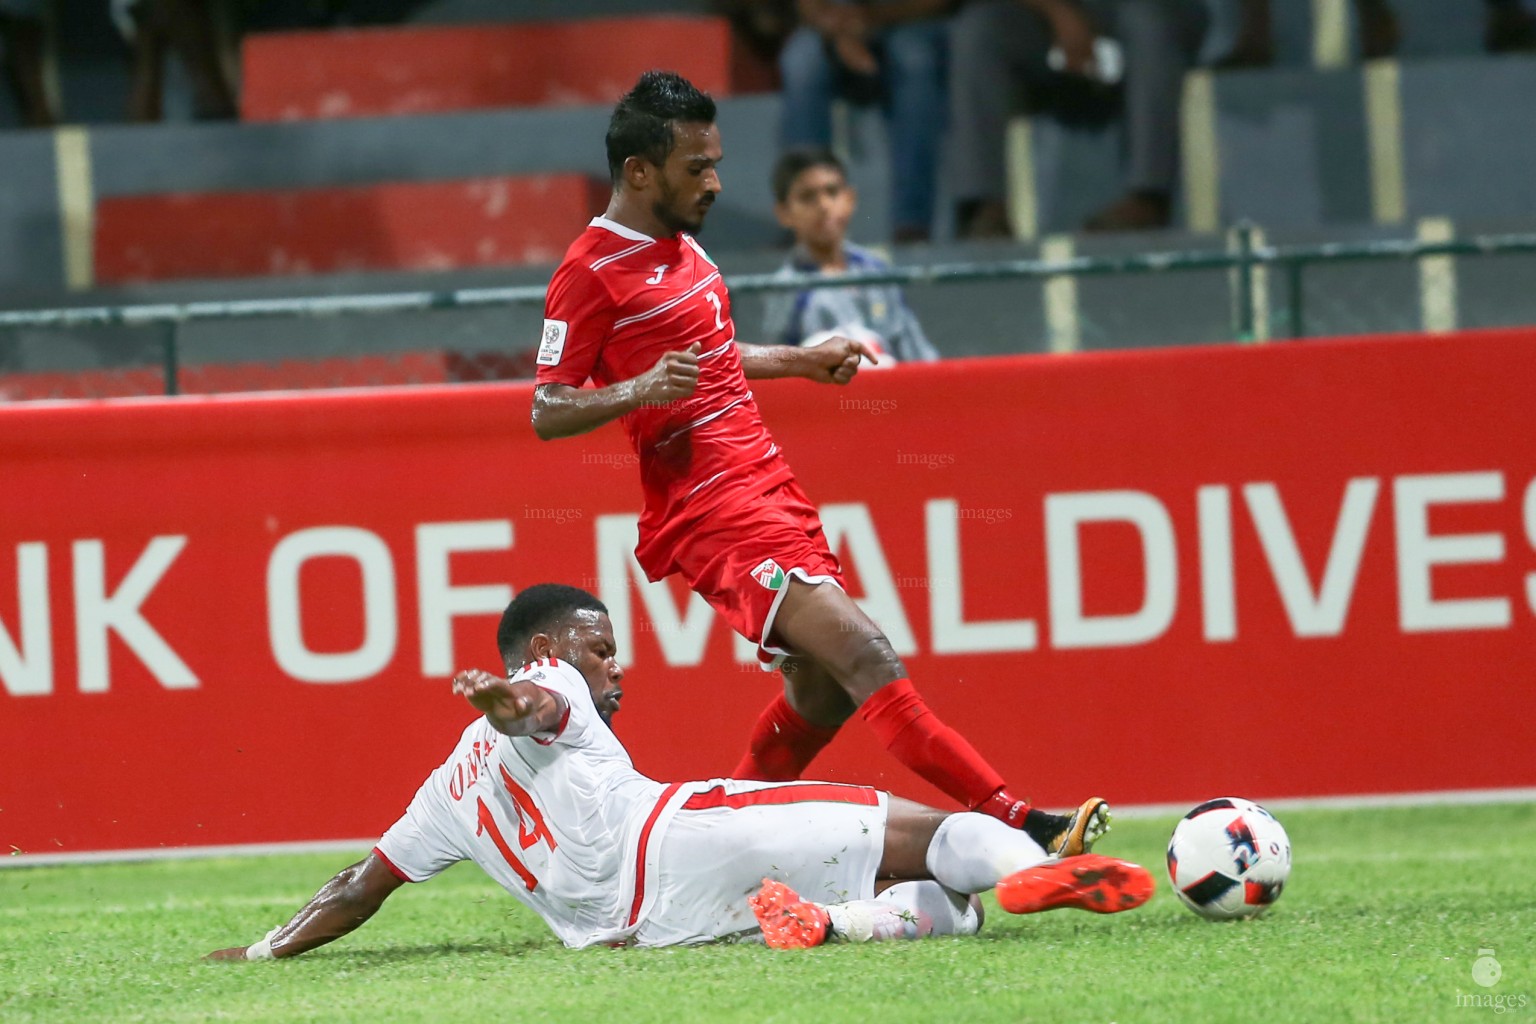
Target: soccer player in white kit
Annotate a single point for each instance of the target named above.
(540, 793)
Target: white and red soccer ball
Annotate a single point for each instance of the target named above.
(1228, 858)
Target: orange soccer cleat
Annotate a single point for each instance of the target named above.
(1093, 882)
(788, 922)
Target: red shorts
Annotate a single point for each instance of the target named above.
(741, 558)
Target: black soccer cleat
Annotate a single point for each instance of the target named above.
(1069, 835)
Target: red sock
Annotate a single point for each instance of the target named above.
(902, 720)
(782, 744)
(1005, 807)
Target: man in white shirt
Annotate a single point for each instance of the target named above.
(540, 793)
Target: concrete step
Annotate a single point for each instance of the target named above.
(388, 226)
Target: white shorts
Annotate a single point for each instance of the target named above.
(822, 839)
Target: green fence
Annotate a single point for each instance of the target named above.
(1246, 257)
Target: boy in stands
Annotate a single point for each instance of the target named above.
(815, 201)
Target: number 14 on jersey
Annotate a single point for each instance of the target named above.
(530, 828)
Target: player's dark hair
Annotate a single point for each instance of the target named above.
(796, 162)
(539, 609)
(642, 122)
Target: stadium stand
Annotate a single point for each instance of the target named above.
(1298, 147)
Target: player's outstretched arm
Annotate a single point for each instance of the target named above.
(513, 709)
(560, 410)
(834, 361)
(342, 904)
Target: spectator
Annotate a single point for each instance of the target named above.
(1508, 27)
(814, 200)
(22, 38)
(1002, 46)
(761, 25)
(890, 51)
(1254, 46)
(185, 27)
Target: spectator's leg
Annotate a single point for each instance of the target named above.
(995, 47)
(810, 85)
(22, 41)
(187, 26)
(1255, 43)
(148, 64)
(1509, 27)
(1161, 39)
(912, 66)
(1379, 34)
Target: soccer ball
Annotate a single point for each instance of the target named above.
(1228, 858)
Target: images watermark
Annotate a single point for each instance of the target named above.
(984, 515)
(873, 406)
(1487, 972)
(558, 516)
(932, 460)
(612, 460)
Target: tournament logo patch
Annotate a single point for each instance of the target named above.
(769, 574)
(552, 343)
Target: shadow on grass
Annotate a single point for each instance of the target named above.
(362, 959)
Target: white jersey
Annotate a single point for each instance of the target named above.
(564, 822)
(562, 833)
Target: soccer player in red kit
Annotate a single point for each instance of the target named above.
(640, 310)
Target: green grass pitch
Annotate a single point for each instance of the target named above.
(1385, 913)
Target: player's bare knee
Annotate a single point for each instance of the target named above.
(869, 662)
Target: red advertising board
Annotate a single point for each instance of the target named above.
(1294, 570)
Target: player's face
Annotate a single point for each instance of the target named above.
(689, 181)
(818, 208)
(588, 644)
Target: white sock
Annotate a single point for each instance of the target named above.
(876, 921)
(973, 852)
(907, 910)
(952, 913)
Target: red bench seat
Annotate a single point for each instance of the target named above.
(392, 226)
(433, 69)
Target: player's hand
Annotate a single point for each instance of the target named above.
(836, 360)
(232, 953)
(854, 54)
(674, 377)
(492, 695)
(835, 19)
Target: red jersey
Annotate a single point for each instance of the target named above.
(616, 305)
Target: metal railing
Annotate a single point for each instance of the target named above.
(1247, 256)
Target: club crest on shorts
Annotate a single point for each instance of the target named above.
(769, 574)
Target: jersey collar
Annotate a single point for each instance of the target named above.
(620, 229)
